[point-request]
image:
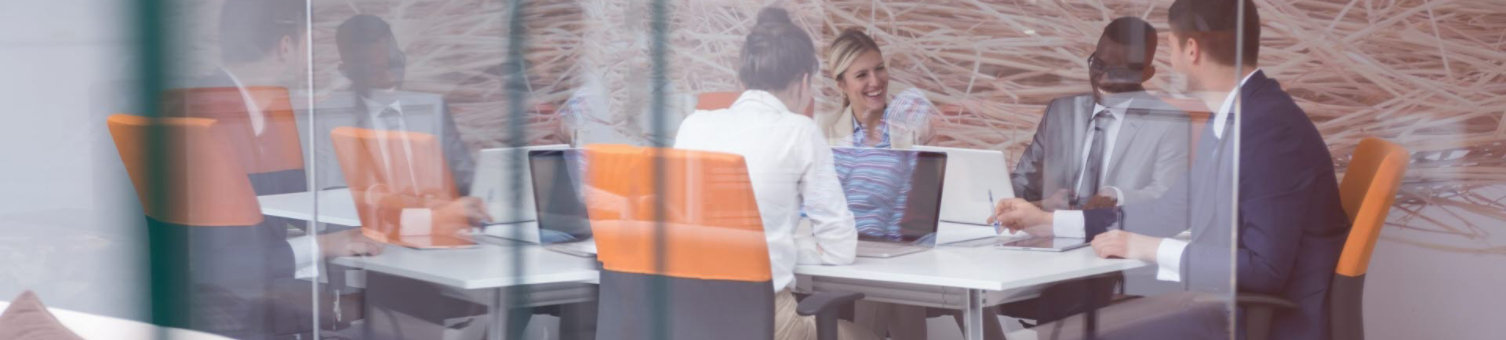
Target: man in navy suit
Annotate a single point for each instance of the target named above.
(1286, 209)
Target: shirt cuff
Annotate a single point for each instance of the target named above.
(303, 256)
(1118, 196)
(1169, 259)
(416, 222)
(1068, 223)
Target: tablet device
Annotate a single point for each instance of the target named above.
(1056, 244)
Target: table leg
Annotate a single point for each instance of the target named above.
(973, 317)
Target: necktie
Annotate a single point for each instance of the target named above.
(1093, 167)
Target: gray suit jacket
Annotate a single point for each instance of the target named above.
(1150, 152)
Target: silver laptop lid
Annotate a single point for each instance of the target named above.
(497, 170)
(894, 195)
(972, 177)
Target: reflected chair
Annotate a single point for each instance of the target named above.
(715, 100)
(201, 215)
(272, 158)
(1368, 190)
(390, 171)
(686, 258)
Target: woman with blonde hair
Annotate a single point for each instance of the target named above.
(868, 117)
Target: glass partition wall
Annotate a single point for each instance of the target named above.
(469, 169)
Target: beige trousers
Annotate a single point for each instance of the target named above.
(789, 325)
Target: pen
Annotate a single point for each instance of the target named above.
(991, 202)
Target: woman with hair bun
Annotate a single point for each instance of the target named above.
(788, 162)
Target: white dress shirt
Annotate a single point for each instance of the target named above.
(791, 169)
(1110, 135)
(1070, 223)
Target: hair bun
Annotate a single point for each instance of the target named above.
(774, 16)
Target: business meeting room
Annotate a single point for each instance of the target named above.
(753, 169)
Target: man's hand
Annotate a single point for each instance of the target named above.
(1101, 201)
(1124, 244)
(1019, 215)
(347, 243)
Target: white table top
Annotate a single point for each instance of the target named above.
(335, 206)
(483, 266)
(91, 326)
(986, 268)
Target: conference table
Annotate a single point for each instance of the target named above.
(963, 277)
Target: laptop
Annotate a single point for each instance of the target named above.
(497, 169)
(895, 196)
(976, 180)
(561, 223)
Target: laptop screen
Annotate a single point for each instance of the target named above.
(561, 208)
(895, 195)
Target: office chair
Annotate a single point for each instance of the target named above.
(688, 259)
(199, 207)
(1368, 190)
(715, 100)
(388, 171)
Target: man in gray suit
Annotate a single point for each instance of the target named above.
(1115, 145)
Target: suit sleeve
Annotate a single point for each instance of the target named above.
(1276, 201)
(1170, 157)
(1027, 177)
(1164, 216)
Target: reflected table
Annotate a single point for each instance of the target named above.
(959, 277)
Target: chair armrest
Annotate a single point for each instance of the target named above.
(1259, 310)
(825, 306)
(1250, 300)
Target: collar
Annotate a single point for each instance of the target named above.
(1222, 116)
(762, 98)
(1117, 109)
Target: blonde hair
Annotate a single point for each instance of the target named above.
(848, 46)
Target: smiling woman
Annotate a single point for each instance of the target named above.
(868, 118)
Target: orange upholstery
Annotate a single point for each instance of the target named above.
(277, 148)
(184, 173)
(412, 174)
(715, 100)
(711, 226)
(1368, 190)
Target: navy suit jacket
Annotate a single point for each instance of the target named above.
(1290, 222)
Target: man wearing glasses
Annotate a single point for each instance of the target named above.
(1116, 145)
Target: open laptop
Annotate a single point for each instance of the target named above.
(895, 196)
(497, 169)
(976, 180)
(561, 223)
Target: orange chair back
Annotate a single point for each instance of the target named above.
(184, 172)
(388, 171)
(1368, 190)
(277, 148)
(709, 219)
(715, 100)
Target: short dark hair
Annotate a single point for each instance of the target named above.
(362, 30)
(1137, 36)
(1214, 24)
(776, 52)
(251, 29)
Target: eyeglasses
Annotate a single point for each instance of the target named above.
(1096, 65)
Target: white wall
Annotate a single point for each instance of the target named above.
(66, 231)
